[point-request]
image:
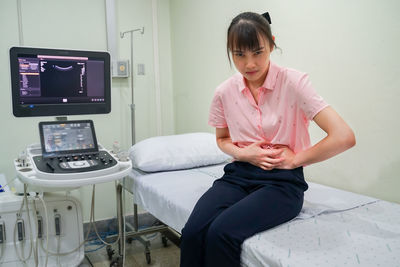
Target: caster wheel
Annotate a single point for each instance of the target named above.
(164, 241)
(116, 262)
(110, 252)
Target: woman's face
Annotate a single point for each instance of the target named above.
(253, 64)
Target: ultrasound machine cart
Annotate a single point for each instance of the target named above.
(61, 82)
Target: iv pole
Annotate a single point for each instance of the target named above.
(120, 196)
(132, 105)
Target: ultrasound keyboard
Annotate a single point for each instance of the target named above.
(69, 157)
(75, 163)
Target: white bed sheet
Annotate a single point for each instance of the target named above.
(365, 236)
(334, 228)
(171, 196)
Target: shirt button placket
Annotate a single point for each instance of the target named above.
(261, 133)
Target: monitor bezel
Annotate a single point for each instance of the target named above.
(59, 109)
(46, 154)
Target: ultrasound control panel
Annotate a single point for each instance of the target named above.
(70, 146)
(68, 157)
(75, 163)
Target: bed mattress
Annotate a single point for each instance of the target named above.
(365, 236)
(334, 228)
(171, 196)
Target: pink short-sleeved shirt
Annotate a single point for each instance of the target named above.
(286, 104)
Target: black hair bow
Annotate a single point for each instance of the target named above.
(267, 17)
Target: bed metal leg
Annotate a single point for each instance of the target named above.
(136, 218)
(118, 260)
(120, 214)
(146, 243)
(172, 236)
(166, 232)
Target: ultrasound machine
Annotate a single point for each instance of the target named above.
(57, 82)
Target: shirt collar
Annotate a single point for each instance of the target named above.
(269, 82)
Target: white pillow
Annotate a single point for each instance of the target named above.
(174, 152)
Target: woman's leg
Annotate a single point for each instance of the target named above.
(265, 208)
(219, 197)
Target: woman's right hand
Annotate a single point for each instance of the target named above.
(264, 158)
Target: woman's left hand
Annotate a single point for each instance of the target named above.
(288, 157)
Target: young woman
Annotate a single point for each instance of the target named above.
(261, 117)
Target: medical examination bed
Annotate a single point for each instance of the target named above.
(334, 228)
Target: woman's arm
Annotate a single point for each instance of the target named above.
(339, 138)
(266, 159)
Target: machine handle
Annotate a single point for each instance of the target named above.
(29, 176)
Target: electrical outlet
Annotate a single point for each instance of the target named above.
(123, 68)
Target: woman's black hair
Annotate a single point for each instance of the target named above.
(245, 29)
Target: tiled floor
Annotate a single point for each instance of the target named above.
(135, 256)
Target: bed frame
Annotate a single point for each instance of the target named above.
(324, 207)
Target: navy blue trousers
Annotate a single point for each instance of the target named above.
(245, 201)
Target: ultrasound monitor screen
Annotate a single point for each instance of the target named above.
(65, 79)
(71, 72)
(60, 138)
(59, 82)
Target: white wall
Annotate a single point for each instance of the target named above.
(349, 48)
(61, 24)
